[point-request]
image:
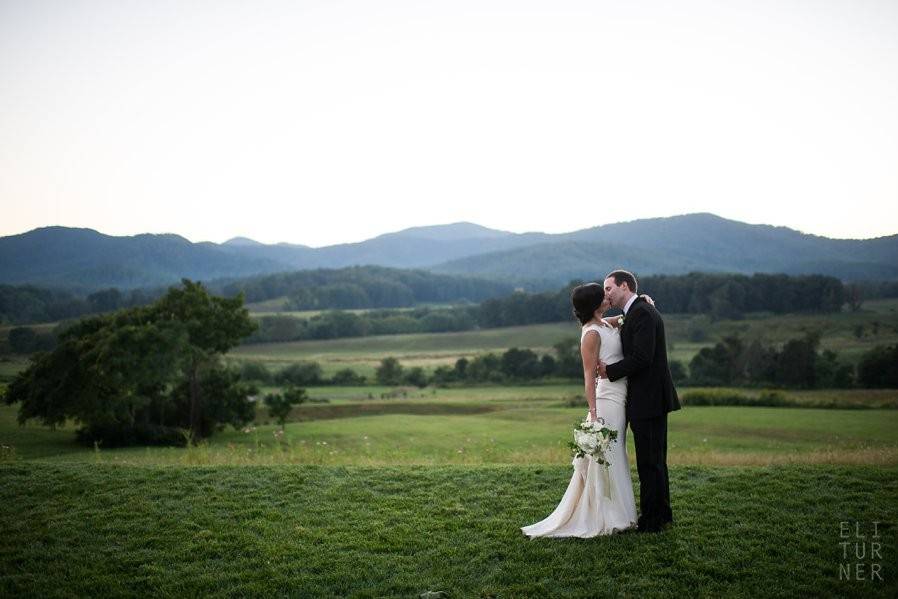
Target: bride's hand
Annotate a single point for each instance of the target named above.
(648, 298)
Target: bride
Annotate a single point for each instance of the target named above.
(588, 508)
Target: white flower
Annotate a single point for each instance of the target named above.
(594, 439)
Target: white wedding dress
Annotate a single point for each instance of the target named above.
(586, 509)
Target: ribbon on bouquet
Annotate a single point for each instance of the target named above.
(582, 466)
(607, 477)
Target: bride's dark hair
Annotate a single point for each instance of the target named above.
(586, 299)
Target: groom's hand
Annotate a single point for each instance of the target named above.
(600, 370)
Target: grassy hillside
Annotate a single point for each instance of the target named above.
(371, 497)
(307, 531)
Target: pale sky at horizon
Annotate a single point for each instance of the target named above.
(321, 122)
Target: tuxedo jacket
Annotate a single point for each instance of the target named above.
(650, 389)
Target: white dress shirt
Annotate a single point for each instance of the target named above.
(629, 303)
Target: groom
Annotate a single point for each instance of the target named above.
(650, 395)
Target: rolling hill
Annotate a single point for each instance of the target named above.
(681, 244)
(86, 259)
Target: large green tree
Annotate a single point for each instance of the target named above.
(140, 374)
(213, 325)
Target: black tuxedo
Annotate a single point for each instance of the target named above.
(650, 389)
(650, 396)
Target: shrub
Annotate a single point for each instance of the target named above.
(725, 397)
(301, 374)
(677, 372)
(115, 435)
(415, 376)
(255, 371)
(25, 340)
(879, 367)
(280, 404)
(347, 376)
(443, 375)
(389, 372)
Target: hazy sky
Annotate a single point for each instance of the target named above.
(318, 122)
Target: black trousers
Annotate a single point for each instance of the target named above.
(650, 439)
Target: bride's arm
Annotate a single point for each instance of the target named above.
(615, 321)
(612, 321)
(589, 353)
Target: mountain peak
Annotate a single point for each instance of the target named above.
(242, 241)
(450, 232)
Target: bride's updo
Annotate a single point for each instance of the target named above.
(586, 299)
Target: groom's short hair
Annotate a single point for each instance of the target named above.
(623, 276)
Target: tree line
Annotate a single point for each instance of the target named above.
(719, 296)
(358, 287)
(322, 289)
(712, 295)
(513, 365)
(24, 304)
(371, 287)
(797, 364)
(340, 324)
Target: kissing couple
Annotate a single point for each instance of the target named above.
(627, 381)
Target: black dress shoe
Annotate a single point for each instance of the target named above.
(649, 529)
(660, 527)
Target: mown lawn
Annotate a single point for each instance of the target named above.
(494, 428)
(427, 492)
(106, 530)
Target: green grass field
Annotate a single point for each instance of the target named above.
(427, 492)
(327, 531)
(501, 425)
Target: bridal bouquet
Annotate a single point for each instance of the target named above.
(593, 439)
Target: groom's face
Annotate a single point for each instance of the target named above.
(614, 293)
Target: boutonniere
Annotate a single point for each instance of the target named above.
(620, 321)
